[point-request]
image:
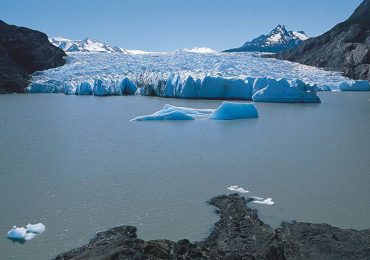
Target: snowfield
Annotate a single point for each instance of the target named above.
(184, 74)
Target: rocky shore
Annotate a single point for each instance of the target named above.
(346, 47)
(22, 52)
(239, 234)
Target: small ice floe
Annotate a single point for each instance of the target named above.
(257, 198)
(260, 200)
(226, 111)
(17, 233)
(237, 189)
(23, 234)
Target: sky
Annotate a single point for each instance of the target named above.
(164, 25)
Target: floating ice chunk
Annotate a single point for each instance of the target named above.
(232, 110)
(226, 111)
(28, 233)
(257, 198)
(17, 233)
(281, 91)
(165, 115)
(35, 228)
(84, 89)
(267, 201)
(358, 85)
(237, 189)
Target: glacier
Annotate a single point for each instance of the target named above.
(184, 74)
(226, 111)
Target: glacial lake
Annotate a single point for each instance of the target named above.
(78, 165)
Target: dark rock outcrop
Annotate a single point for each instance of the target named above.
(346, 47)
(22, 52)
(239, 234)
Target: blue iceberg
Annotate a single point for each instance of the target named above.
(226, 111)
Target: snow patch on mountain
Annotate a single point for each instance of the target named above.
(85, 45)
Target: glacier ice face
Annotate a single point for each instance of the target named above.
(150, 68)
(260, 89)
(226, 111)
(282, 91)
(84, 89)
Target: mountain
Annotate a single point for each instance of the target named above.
(346, 47)
(85, 45)
(279, 39)
(22, 52)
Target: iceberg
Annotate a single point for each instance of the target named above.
(35, 228)
(22, 234)
(237, 189)
(17, 233)
(281, 91)
(358, 85)
(232, 111)
(226, 111)
(267, 201)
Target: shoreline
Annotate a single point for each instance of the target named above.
(238, 234)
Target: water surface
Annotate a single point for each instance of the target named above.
(78, 165)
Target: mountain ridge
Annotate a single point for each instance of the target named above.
(279, 39)
(345, 47)
(24, 51)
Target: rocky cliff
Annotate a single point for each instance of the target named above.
(239, 234)
(346, 47)
(22, 52)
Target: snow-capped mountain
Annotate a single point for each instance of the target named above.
(279, 39)
(85, 45)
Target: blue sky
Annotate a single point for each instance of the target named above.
(158, 25)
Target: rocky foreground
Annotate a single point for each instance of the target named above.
(239, 234)
(22, 52)
(346, 47)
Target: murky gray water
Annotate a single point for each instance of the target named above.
(78, 165)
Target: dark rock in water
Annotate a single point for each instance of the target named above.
(22, 52)
(239, 234)
(346, 47)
